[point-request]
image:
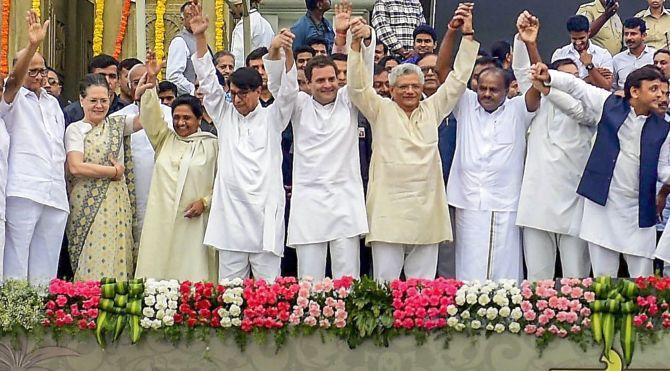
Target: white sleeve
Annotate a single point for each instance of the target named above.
(593, 98)
(237, 46)
(214, 97)
(604, 61)
(521, 65)
(74, 139)
(664, 162)
(176, 65)
(286, 86)
(570, 106)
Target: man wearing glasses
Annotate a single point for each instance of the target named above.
(37, 204)
(53, 84)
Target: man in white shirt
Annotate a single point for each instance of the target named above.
(4, 152)
(637, 55)
(559, 143)
(591, 59)
(246, 222)
(37, 205)
(631, 152)
(179, 69)
(485, 178)
(261, 31)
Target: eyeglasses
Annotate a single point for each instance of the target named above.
(53, 81)
(101, 101)
(38, 71)
(426, 69)
(240, 94)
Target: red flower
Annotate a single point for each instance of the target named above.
(191, 322)
(61, 300)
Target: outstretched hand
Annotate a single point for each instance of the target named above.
(342, 16)
(359, 29)
(36, 31)
(283, 40)
(462, 14)
(528, 27)
(199, 21)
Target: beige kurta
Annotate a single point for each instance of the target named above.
(406, 201)
(171, 245)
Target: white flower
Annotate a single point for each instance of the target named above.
(517, 299)
(149, 300)
(236, 322)
(162, 289)
(168, 321)
(459, 327)
(452, 310)
(452, 321)
(150, 290)
(161, 305)
(236, 281)
(489, 327)
(491, 313)
(481, 312)
(235, 310)
(505, 312)
(223, 313)
(475, 324)
(515, 291)
(148, 312)
(160, 314)
(508, 284)
(471, 298)
(486, 289)
(460, 300)
(514, 327)
(156, 324)
(516, 313)
(145, 322)
(161, 298)
(173, 296)
(465, 314)
(499, 328)
(483, 299)
(172, 304)
(225, 322)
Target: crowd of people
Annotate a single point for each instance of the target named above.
(363, 148)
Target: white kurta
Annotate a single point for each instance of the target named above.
(4, 153)
(559, 144)
(615, 226)
(247, 212)
(143, 159)
(261, 35)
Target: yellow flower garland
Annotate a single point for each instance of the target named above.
(98, 26)
(159, 29)
(36, 7)
(219, 24)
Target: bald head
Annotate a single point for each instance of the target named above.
(20, 53)
(134, 76)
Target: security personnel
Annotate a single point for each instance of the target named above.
(606, 26)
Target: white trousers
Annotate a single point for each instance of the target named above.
(605, 262)
(2, 244)
(488, 245)
(345, 258)
(540, 247)
(389, 259)
(33, 238)
(236, 264)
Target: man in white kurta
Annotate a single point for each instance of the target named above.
(261, 32)
(550, 210)
(246, 220)
(614, 229)
(4, 152)
(328, 204)
(37, 204)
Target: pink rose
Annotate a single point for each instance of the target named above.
(341, 314)
(527, 293)
(328, 311)
(565, 290)
(577, 292)
(61, 300)
(590, 296)
(543, 319)
(540, 331)
(575, 329)
(530, 329)
(302, 302)
(526, 306)
(553, 301)
(561, 316)
(541, 304)
(586, 282)
(549, 313)
(562, 333)
(530, 315)
(310, 321)
(553, 329)
(324, 323)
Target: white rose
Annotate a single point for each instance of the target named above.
(471, 298)
(168, 321)
(514, 327)
(172, 304)
(236, 322)
(452, 310)
(160, 314)
(459, 327)
(145, 322)
(460, 300)
(516, 313)
(162, 289)
(156, 324)
(452, 321)
(505, 312)
(223, 313)
(236, 281)
(517, 299)
(150, 291)
(499, 328)
(465, 314)
(481, 312)
(515, 291)
(150, 300)
(148, 312)
(161, 305)
(483, 299)
(491, 313)
(486, 289)
(161, 298)
(239, 301)
(225, 322)
(489, 327)
(235, 310)
(170, 312)
(475, 324)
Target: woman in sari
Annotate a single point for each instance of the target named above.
(171, 246)
(99, 227)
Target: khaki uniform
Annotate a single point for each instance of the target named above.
(610, 35)
(658, 29)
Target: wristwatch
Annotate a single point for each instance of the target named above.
(589, 66)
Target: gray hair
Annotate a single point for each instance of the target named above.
(403, 70)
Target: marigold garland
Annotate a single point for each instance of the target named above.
(4, 38)
(159, 32)
(98, 26)
(219, 24)
(125, 13)
(36, 7)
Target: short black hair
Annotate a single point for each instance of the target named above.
(311, 4)
(102, 61)
(167, 86)
(379, 69)
(246, 78)
(303, 49)
(561, 62)
(577, 23)
(379, 42)
(339, 57)
(316, 40)
(58, 75)
(255, 54)
(387, 58)
(500, 49)
(425, 29)
(191, 101)
(482, 53)
(488, 60)
(645, 73)
(320, 61)
(92, 79)
(183, 6)
(662, 51)
(128, 63)
(635, 22)
(507, 79)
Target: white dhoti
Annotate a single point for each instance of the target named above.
(488, 245)
(344, 258)
(237, 264)
(389, 259)
(605, 262)
(33, 238)
(539, 248)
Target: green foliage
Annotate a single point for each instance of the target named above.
(370, 314)
(21, 307)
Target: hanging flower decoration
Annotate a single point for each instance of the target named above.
(98, 26)
(36, 7)
(159, 30)
(125, 13)
(4, 38)
(219, 24)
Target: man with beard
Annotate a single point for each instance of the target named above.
(637, 55)
(588, 57)
(605, 25)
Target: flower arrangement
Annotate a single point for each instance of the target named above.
(204, 304)
(123, 26)
(549, 312)
(72, 304)
(490, 306)
(160, 301)
(422, 304)
(98, 26)
(230, 302)
(268, 305)
(653, 306)
(4, 38)
(21, 307)
(159, 32)
(219, 24)
(321, 304)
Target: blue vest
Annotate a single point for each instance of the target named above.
(595, 182)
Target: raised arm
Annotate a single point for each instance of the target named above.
(282, 76)
(445, 57)
(598, 23)
(359, 75)
(36, 34)
(525, 49)
(151, 115)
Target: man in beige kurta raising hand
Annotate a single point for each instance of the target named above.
(407, 206)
